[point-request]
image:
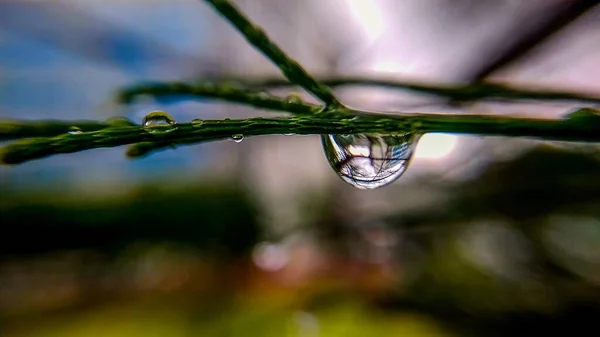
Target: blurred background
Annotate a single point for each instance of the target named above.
(480, 237)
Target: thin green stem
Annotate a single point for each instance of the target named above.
(224, 91)
(15, 129)
(458, 92)
(581, 126)
(290, 68)
(238, 91)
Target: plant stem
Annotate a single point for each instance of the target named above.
(458, 92)
(221, 91)
(20, 129)
(290, 68)
(583, 126)
(227, 91)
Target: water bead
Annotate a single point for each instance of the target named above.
(74, 130)
(119, 121)
(158, 121)
(294, 98)
(197, 122)
(238, 138)
(368, 161)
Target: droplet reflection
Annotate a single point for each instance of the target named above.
(158, 122)
(197, 122)
(74, 130)
(369, 161)
(238, 138)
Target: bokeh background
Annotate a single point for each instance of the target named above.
(480, 237)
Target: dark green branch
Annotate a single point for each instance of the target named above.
(582, 126)
(458, 92)
(228, 91)
(14, 129)
(258, 38)
(221, 91)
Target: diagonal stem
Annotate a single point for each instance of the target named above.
(290, 68)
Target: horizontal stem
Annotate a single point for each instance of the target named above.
(459, 92)
(233, 91)
(290, 68)
(220, 91)
(15, 129)
(583, 126)
(22, 129)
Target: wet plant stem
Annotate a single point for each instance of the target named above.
(247, 92)
(290, 68)
(39, 139)
(582, 126)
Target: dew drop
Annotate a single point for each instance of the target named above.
(158, 121)
(237, 138)
(368, 161)
(197, 122)
(73, 130)
(263, 95)
(294, 98)
(119, 121)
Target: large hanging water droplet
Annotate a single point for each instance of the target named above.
(158, 121)
(369, 161)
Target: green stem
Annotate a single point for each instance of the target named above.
(15, 129)
(458, 92)
(226, 91)
(290, 68)
(581, 126)
(220, 91)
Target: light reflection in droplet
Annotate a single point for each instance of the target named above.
(369, 161)
(158, 117)
(238, 138)
(74, 130)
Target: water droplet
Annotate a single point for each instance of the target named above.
(369, 161)
(158, 121)
(237, 138)
(293, 98)
(263, 95)
(584, 114)
(74, 130)
(119, 121)
(197, 122)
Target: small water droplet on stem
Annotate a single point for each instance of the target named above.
(238, 138)
(197, 122)
(158, 121)
(74, 130)
(294, 98)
